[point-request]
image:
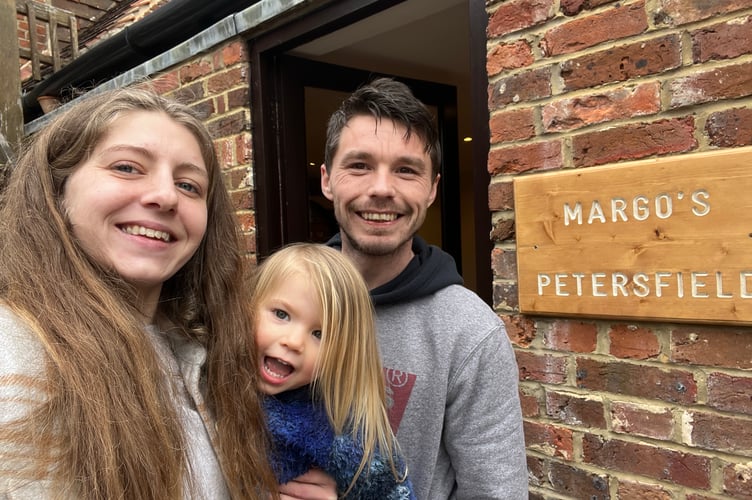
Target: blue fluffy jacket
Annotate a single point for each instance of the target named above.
(303, 438)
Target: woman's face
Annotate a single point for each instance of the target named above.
(138, 204)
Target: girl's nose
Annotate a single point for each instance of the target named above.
(294, 340)
(161, 193)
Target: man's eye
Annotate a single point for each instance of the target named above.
(406, 170)
(279, 313)
(358, 166)
(317, 334)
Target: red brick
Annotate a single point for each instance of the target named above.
(730, 393)
(723, 40)
(728, 82)
(629, 489)
(521, 330)
(195, 70)
(586, 31)
(679, 12)
(506, 56)
(242, 200)
(730, 128)
(572, 7)
(505, 296)
(501, 196)
(625, 62)
(716, 432)
(633, 342)
(644, 381)
(577, 483)
(226, 80)
(576, 410)
(504, 263)
(227, 125)
(247, 221)
(529, 403)
(517, 15)
(239, 98)
(625, 102)
(659, 463)
(512, 125)
(727, 347)
(631, 142)
(634, 419)
(537, 156)
(166, 82)
(521, 87)
(502, 229)
(571, 335)
(546, 368)
(190, 93)
(234, 53)
(548, 439)
(244, 148)
(737, 480)
(205, 108)
(536, 471)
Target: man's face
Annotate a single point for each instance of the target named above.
(381, 186)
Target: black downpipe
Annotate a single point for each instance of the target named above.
(168, 26)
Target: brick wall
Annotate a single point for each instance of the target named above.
(216, 84)
(620, 409)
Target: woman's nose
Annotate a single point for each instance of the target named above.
(161, 193)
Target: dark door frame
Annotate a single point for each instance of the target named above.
(277, 193)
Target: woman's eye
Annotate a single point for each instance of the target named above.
(187, 186)
(124, 167)
(317, 334)
(279, 313)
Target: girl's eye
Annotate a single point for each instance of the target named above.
(187, 186)
(317, 334)
(279, 313)
(124, 167)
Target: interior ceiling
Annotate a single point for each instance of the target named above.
(422, 36)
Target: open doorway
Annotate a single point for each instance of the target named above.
(303, 69)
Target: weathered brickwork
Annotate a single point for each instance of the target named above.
(217, 86)
(621, 410)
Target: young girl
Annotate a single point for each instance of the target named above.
(320, 367)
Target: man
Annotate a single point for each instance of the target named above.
(450, 369)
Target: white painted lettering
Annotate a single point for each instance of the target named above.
(596, 212)
(618, 207)
(663, 206)
(696, 284)
(559, 283)
(573, 213)
(597, 283)
(543, 281)
(700, 198)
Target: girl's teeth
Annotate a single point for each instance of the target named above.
(149, 233)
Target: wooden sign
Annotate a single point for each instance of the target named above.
(665, 239)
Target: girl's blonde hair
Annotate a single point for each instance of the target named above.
(108, 409)
(348, 377)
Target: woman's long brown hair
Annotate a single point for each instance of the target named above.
(108, 416)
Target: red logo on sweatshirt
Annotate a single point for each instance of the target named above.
(399, 385)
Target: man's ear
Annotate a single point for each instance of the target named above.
(325, 189)
(434, 188)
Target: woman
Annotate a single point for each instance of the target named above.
(127, 370)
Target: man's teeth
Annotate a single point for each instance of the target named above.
(149, 233)
(379, 216)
